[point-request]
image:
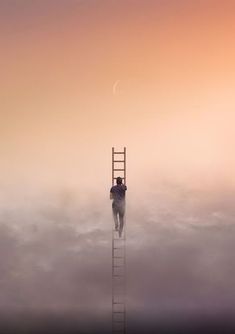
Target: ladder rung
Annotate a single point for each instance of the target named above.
(119, 312)
(119, 303)
(119, 169)
(118, 279)
(121, 294)
(119, 266)
(119, 152)
(118, 160)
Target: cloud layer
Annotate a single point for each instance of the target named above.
(56, 256)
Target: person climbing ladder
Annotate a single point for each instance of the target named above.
(117, 194)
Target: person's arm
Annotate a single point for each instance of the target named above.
(111, 193)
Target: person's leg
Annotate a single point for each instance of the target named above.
(121, 213)
(115, 217)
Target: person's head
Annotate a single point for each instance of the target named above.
(119, 180)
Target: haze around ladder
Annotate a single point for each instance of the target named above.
(78, 78)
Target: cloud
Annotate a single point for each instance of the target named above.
(179, 255)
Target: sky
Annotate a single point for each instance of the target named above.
(77, 78)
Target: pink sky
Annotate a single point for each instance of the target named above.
(173, 106)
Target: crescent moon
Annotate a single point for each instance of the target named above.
(115, 92)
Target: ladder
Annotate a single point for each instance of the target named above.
(118, 255)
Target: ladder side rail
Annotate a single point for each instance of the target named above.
(113, 166)
(124, 248)
(124, 165)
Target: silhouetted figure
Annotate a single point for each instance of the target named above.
(117, 194)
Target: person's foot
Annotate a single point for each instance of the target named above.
(116, 227)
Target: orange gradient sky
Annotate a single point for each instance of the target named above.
(78, 77)
(172, 105)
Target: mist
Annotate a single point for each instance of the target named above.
(56, 258)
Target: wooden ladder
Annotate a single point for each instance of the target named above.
(118, 255)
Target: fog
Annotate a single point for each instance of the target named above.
(56, 255)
